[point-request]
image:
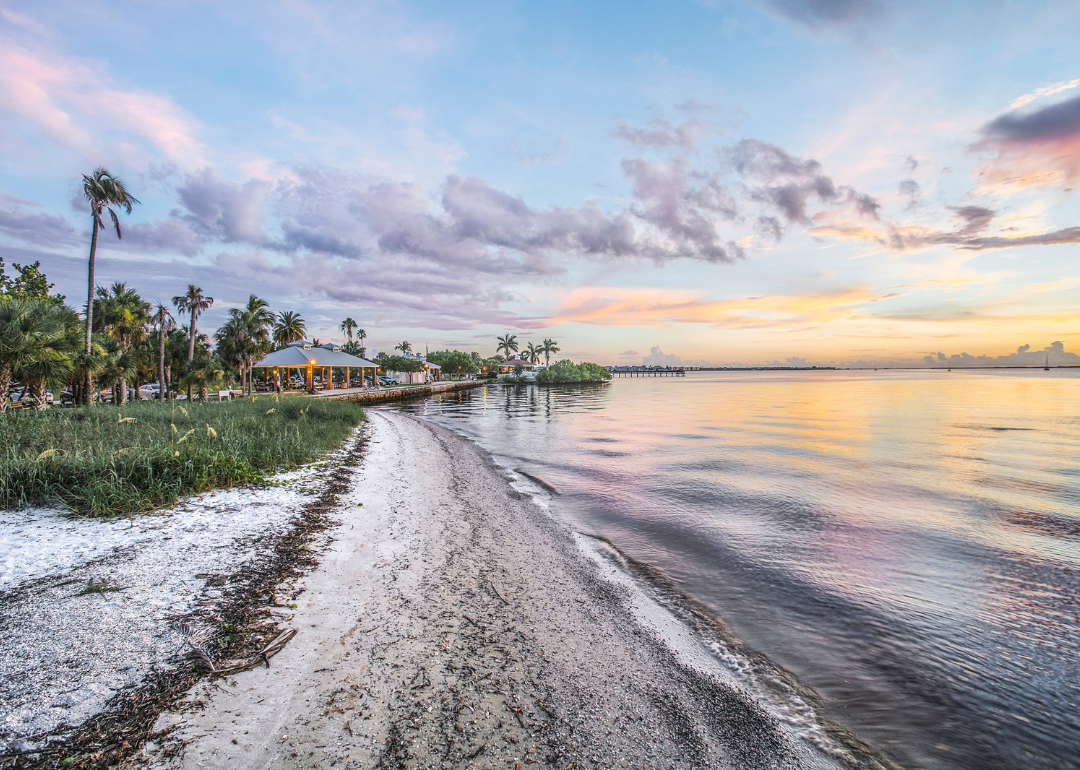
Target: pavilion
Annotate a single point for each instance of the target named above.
(310, 359)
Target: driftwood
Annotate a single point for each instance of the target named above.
(263, 655)
(496, 590)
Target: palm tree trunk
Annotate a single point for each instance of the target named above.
(123, 391)
(89, 384)
(37, 394)
(5, 383)
(161, 364)
(191, 343)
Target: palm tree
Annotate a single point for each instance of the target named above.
(195, 302)
(163, 321)
(37, 342)
(124, 315)
(102, 191)
(507, 342)
(362, 335)
(532, 353)
(202, 374)
(289, 327)
(347, 326)
(548, 347)
(245, 337)
(404, 347)
(117, 366)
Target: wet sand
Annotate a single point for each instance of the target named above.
(453, 622)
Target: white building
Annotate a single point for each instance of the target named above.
(528, 369)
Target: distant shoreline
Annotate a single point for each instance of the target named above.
(857, 368)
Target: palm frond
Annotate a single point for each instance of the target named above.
(116, 222)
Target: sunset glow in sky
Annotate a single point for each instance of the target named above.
(829, 181)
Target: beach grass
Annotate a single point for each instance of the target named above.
(109, 461)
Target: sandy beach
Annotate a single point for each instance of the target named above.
(453, 623)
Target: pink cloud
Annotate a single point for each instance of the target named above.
(610, 306)
(1034, 149)
(74, 105)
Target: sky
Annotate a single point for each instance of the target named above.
(829, 182)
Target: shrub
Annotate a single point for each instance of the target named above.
(567, 372)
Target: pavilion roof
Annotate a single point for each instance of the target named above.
(302, 352)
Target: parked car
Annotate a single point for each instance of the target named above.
(149, 392)
(385, 381)
(18, 394)
(66, 397)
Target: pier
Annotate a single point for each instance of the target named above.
(647, 371)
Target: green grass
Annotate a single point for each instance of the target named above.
(108, 461)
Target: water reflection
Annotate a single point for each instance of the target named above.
(907, 543)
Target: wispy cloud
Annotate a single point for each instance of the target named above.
(1038, 93)
(822, 13)
(23, 220)
(661, 134)
(76, 106)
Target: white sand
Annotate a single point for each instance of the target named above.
(64, 653)
(454, 623)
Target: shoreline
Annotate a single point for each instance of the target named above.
(453, 622)
(386, 395)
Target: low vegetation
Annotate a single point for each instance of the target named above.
(110, 461)
(566, 372)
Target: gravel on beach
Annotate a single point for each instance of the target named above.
(453, 622)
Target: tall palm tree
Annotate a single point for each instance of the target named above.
(102, 191)
(347, 326)
(548, 347)
(532, 353)
(508, 342)
(195, 302)
(362, 335)
(289, 327)
(404, 347)
(163, 321)
(124, 316)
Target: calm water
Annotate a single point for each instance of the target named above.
(907, 543)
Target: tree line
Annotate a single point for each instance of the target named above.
(133, 342)
(508, 344)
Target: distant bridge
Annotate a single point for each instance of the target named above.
(647, 371)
